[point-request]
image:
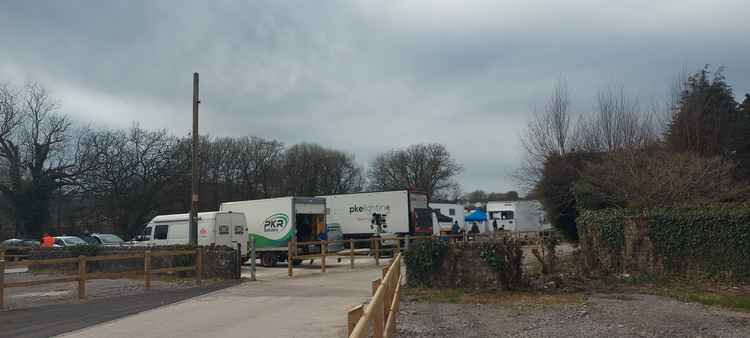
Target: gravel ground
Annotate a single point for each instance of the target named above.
(597, 315)
(59, 293)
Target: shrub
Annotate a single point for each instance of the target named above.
(422, 260)
(82, 250)
(505, 257)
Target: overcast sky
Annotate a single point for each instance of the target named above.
(363, 76)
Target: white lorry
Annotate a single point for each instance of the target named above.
(453, 211)
(274, 222)
(361, 215)
(517, 215)
(218, 228)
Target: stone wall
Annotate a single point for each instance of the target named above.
(463, 266)
(624, 246)
(218, 261)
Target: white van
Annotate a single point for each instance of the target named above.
(216, 227)
(517, 215)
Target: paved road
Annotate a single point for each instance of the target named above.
(311, 304)
(46, 321)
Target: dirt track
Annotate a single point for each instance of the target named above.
(598, 315)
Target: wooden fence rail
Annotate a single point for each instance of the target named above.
(394, 244)
(83, 275)
(381, 312)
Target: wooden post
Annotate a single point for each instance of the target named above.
(377, 251)
(290, 258)
(2, 283)
(147, 269)
(82, 277)
(194, 182)
(398, 246)
(199, 265)
(252, 258)
(352, 318)
(239, 261)
(378, 324)
(323, 249)
(351, 253)
(375, 285)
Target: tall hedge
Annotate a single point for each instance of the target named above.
(715, 239)
(711, 240)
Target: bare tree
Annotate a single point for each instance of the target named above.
(639, 178)
(309, 169)
(548, 133)
(427, 168)
(34, 138)
(617, 123)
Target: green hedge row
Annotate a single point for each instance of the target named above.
(714, 240)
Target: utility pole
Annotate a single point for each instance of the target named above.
(194, 185)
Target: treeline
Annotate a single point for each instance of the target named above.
(693, 151)
(58, 177)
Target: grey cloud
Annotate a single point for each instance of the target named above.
(363, 76)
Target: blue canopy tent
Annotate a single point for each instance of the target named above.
(476, 216)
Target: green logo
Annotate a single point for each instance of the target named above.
(276, 223)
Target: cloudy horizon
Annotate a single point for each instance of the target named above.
(364, 77)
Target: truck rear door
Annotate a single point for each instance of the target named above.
(238, 231)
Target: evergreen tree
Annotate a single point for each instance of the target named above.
(703, 120)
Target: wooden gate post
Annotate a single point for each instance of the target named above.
(82, 277)
(323, 249)
(352, 318)
(147, 269)
(351, 253)
(290, 258)
(377, 251)
(252, 258)
(199, 265)
(2, 283)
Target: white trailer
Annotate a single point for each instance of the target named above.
(274, 222)
(217, 228)
(452, 210)
(400, 212)
(517, 215)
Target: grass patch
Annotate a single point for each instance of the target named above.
(462, 296)
(696, 291)
(731, 301)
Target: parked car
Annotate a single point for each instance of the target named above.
(103, 240)
(17, 246)
(63, 241)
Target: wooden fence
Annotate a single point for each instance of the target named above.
(82, 275)
(19, 254)
(381, 312)
(392, 246)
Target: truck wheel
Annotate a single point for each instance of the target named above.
(268, 260)
(297, 262)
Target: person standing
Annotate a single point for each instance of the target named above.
(494, 225)
(48, 241)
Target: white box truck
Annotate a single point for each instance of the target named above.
(399, 212)
(453, 211)
(274, 222)
(517, 215)
(218, 228)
